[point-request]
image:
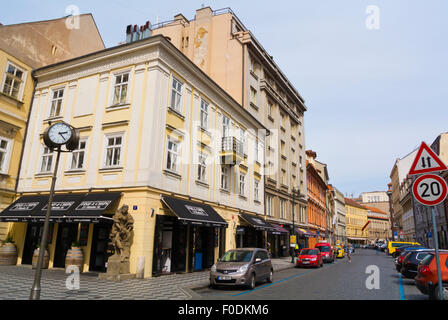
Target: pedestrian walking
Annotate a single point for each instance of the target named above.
(349, 252)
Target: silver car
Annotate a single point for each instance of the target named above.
(244, 266)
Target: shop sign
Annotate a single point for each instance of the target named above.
(93, 205)
(197, 211)
(24, 206)
(292, 240)
(59, 206)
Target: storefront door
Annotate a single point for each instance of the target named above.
(32, 240)
(100, 241)
(67, 233)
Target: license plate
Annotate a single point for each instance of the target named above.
(305, 262)
(224, 278)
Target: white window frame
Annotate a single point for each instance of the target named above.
(225, 126)
(269, 205)
(59, 100)
(4, 167)
(176, 95)
(174, 164)
(202, 167)
(204, 114)
(76, 154)
(46, 154)
(107, 147)
(121, 85)
(256, 190)
(241, 184)
(22, 80)
(225, 177)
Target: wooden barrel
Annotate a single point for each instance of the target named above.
(8, 254)
(74, 257)
(36, 257)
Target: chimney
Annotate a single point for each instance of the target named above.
(135, 33)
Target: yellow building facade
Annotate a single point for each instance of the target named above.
(156, 134)
(356, 220)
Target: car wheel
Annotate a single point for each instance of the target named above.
(251, 284)
(271, 276)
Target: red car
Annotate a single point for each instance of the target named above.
(325, 251)
(426, 279)
(309, 257)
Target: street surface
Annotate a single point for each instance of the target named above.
(339, 281)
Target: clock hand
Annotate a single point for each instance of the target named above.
(62, 134)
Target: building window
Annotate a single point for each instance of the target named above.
(176, 95)
(78, 156)
(5, 147)
(224, 178)
(56, 103)
(256, 190)
(47, 160)
(121, 88)
(253, 96)
(13, 81)
(269, 205)
(256, 150)
(173, 155)
(270, 109)
(282, 209)
(114, 150)
(225, 126)
(202, 167)
(241, 184)
(204, 114)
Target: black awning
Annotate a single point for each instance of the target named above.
(92, 207)
(24, 209)
(256, 222)
(194, 213)
(61, 206)
(278, 229)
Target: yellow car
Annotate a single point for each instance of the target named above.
(393, 245)
(341, 252)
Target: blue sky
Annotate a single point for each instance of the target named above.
(372, 95)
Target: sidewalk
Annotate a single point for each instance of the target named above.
(16, 282)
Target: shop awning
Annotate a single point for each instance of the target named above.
(256, 222)
(92, 207)
(195, 213)
(305, 233)
(23, 209)
(278, 229)
(64, 208)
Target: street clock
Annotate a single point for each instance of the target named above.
(60, 134)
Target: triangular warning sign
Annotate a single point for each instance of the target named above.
(426, 161)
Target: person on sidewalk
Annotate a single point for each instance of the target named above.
(349, 253)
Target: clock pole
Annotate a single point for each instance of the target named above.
(35, 290)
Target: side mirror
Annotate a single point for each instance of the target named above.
(257, 260)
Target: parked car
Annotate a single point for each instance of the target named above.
(383, 247)
(393, 245)
(405, 248)
(244, 266)
(325, 251)
(411, 260)
(309, 257)
(399, 261)
(427, 280)
(340, 252)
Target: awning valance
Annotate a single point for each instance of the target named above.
(68, 207)
(277, 229)
(256, 222)
(305, 233)
(195, 213)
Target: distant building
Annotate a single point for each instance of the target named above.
(356, 220)
(379, 225)
(339, 209)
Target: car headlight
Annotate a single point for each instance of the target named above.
(213, 269)
(313, 259)
(243, 269)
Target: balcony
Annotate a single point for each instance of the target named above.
(232, 151)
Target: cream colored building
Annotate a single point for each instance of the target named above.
(158, 135)
(23, 47)
(340, 220)
(219, 43)
(356, 220)
(379, 225)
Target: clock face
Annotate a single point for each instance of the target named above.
(59, 133)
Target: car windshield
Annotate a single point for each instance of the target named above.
(237, 256)
(308, 252)
(324, 248)
(396, 245)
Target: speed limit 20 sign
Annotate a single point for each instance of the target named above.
(430, 189)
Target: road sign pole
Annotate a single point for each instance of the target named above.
(436, 242)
